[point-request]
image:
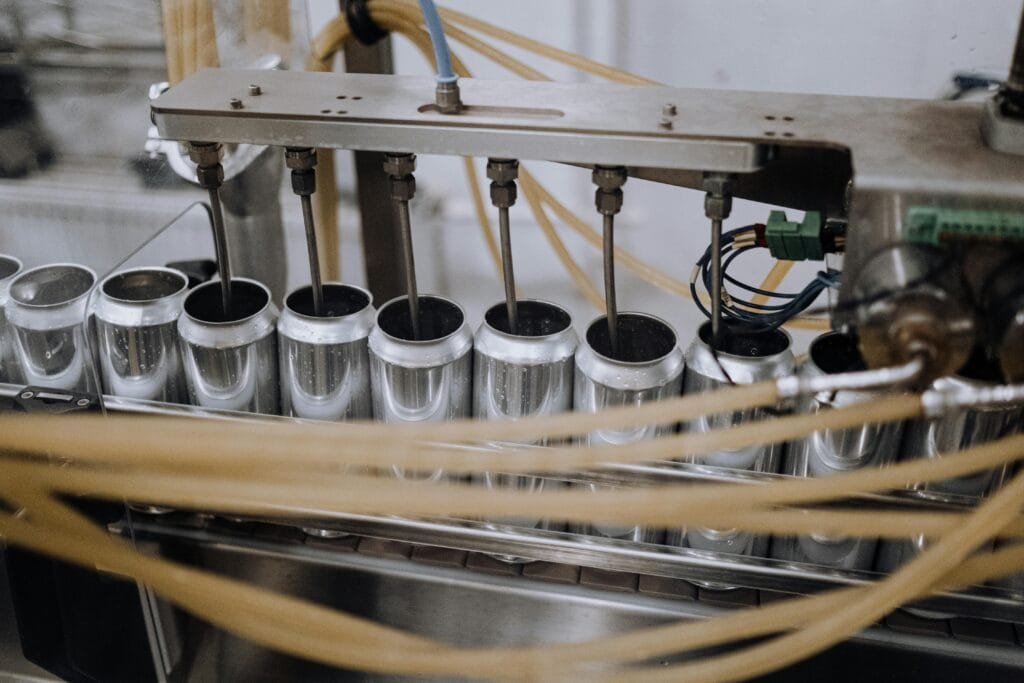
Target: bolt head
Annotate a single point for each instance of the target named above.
(205, 153)
(210, 176)
(303, 182)
(403, 188)
(502, 170)
(668, 109)
(717, 183)
(503, 195)
(82, 402)
(399, 165)
(609, 177)
(608, 202)
(665, 123)
(235, 103)
(255, 90)
(27, 395)
(717, 206)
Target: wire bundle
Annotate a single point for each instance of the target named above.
(756, 312)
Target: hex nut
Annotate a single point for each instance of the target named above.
(608, 202)
(304, 182)
(502, 170)
(403, 188)
(399, 165)
(205, 153)
(300, 158)
(503, 195)
(717, 183)
(609, 177)
(717, 206)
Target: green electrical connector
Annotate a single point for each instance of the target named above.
(794, 241)
(930, 225)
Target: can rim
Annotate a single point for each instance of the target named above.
(704, 332)
(623, 314)
(836, 363)
(15, 262)
(143, 269)
(78, 268)
(328, 318)
(500, 306)
(421, 342)
(234, 321)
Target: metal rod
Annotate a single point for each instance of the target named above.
(220, 245)
(609, 283)
(314, 256)
(405, 225)
(506, 270)
(716, 278)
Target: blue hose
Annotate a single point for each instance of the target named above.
(445, 74)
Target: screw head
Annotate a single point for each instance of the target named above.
(82, 402)
(668, 109)
(235, 103)
(255, 90)
(665, 123)
(27, 395)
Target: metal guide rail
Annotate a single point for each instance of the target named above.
(559, 546)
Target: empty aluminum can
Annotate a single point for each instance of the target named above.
(520, 375)
(424, 379)
(828, 452)
(953, 432)
(742, 356)
(9, 370)
(648, 367)
(231, 360)
(136, 313)
(325, 367)
(46, 312)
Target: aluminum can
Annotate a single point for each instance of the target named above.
(324, 362)
(647, 367)
(136, 313)
(231, 360)
(833, 451)
(526, 374)
(46, 311)
(924, 438)
(423, 379)
(9, 370)
(741, 356)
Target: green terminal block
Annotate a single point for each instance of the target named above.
(930, 225)
(794, 241)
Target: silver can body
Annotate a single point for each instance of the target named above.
(324, 360)
(46, 314)
(231, 361)
(523, 375)
(136, 313)
(648, 367)
(829, 452)
(951, 433)
(429, 379)
(9, 370)
(740, 357)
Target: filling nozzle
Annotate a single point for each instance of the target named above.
(503, 174)
(895, 377)
(210, 174)
(400, 168)
(608, 199)
(717, 207)
(302, 162)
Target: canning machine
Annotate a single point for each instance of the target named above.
(917, 204)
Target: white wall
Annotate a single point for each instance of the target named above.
(908, 48)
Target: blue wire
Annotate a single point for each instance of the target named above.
(445, 74)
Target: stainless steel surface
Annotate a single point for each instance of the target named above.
(606, 124)
(46, 311)
(524, 374)
(611, 305)
(9, 269)
(324, 362)
(220, 245)
(647, 367)
(829, 452)
(913, 302)
(426, 377)
(136, 313)
(735, 357)
(231, 362)
(716, 277)
(312, 253)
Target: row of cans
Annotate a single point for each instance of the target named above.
(154, 338)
